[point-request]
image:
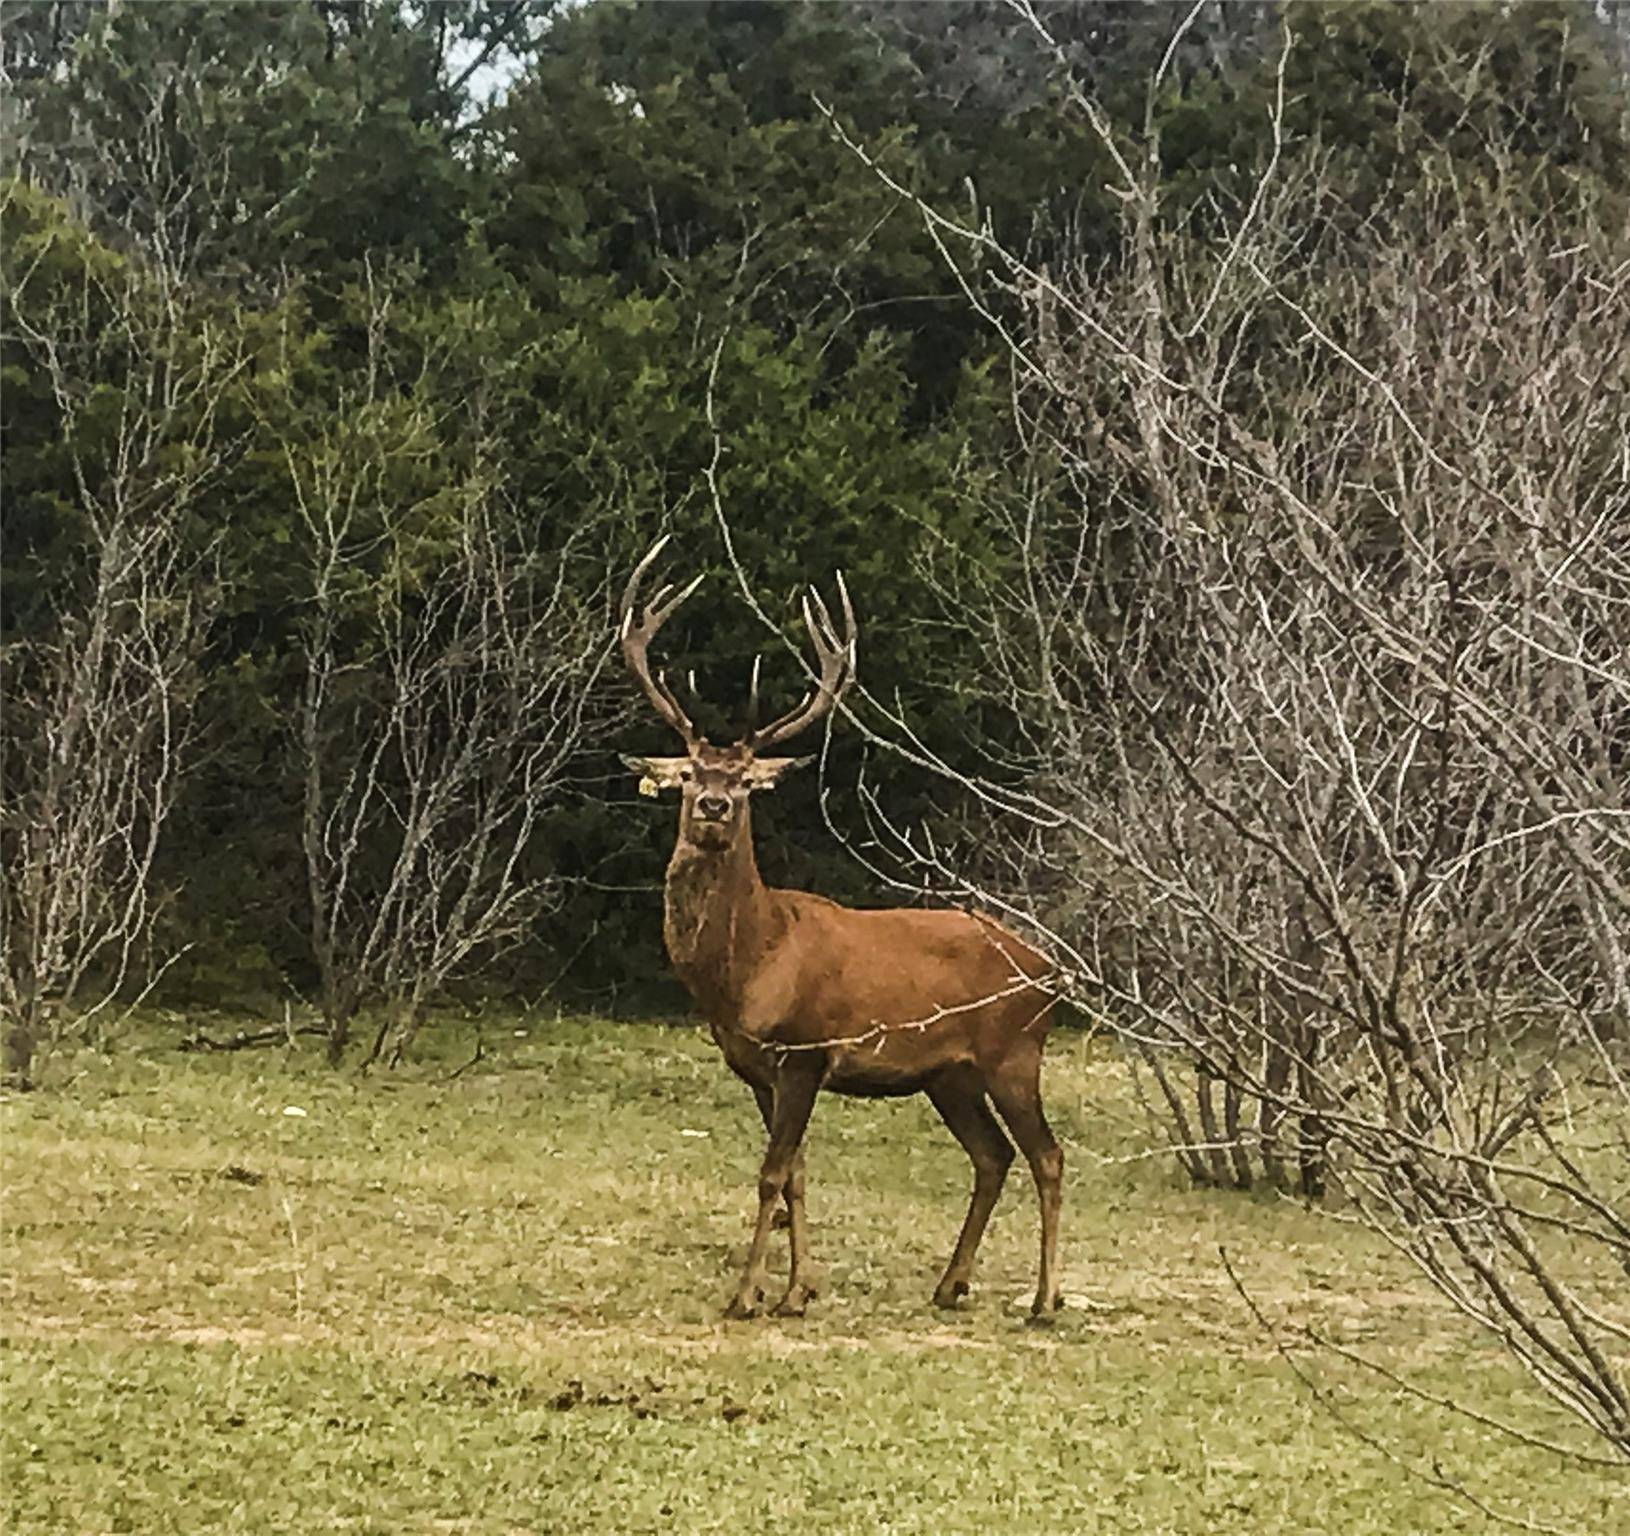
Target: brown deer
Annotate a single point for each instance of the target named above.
(803, 994)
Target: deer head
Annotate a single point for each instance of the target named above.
(716, 782)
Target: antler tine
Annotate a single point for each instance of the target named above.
(637, 634)
(849, 623)
(632, 589)
(829, 630)
(835, 656)
(830, 638)
(661, 610)
(752, 701)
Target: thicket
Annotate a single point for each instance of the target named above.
(1320, 515)
(302, 308)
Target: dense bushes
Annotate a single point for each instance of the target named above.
(422, 300)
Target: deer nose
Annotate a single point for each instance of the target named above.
(713, 807)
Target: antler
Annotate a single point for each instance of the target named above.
(752, 702)
(835, 655)
(637, 635)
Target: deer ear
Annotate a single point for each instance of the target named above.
(766, 772)
(657, 772)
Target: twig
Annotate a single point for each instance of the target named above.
(1435, 1478)
(298, 1264)
(277, 1034)
(457, 1072)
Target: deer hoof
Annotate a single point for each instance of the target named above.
(744, 1304)
(795, 1302)
(1042, 1309)
(947, 1296)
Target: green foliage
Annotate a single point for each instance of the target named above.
(219, 133)
(546, 298)
(1393, 97)
(46, 261)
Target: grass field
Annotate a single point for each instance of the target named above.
(491, 1304)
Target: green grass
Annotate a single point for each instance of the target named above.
(491, 1304)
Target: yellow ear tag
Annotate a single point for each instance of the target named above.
(648, 787)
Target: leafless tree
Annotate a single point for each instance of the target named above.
(98, 692)
(451, 660)
(1313, 637)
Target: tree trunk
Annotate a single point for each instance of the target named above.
(1238, 1153)
(17, 1050)
(1204, 1082)
(1271, 1113)
(1188, 1158)
(1314, 1139)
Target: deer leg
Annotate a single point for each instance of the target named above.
(1015, 1088)
(782, 1218)
(800, 1279)
(960, 1100)
(794, 1098)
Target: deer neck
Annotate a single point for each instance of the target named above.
(717, 920)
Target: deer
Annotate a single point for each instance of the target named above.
(802, 994)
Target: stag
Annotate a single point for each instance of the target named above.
(803, 994)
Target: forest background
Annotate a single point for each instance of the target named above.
(354, 351)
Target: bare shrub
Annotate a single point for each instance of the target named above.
(1312, 638)
(451, 645)
(98, 687)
